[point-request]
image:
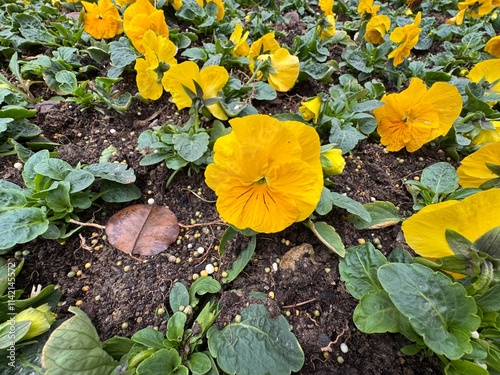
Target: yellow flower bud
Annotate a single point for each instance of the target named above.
(41, 318)
(332, 161)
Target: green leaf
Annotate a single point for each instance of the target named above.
(202, 286)
(382, 214)
(258, 345)
(11, 199)
(458, 243)
(67, 81)
(164, 361)
(376, 313)
(58, 199)
(55, 169)
(149, 337)
(112, 172)
(191, 148)
(74, 348)
(441, 178)
(79, 180)
(175, 327)
(199, 363)
(263, 91)
(345, 137)
(328, 235)
(488, 243)
(351, 206)
(179, 296)
(114, 192)
(359, 269)
(462, 367)
(489, 301)
(21, 226)
(12, 333)
(439, 310)
(29, 173)
(117, 346)
(240, 263)
(16, 112)
(325, 203)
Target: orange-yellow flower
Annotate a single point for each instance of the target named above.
(159, 52)
(376, 28)
(326, 6)
(102, 20)
(493, 46)
(367, 7)
(473, 171)
(417, 115)
(489, 70)
(210, 79)
(407, 38)
(141, 17)
(266, 173)
(472, 217)
(239, 39)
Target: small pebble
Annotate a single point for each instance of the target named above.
(97, 298)
(203, 273)
(275, 267)
(79, 273)
(237, 318)
(200, 250)
(112, 131)
(224, 274)
(151, 201)
(25, 253)
(210, 268)
(126, 268)
(124, 325)
(328, 270)
(361, 241)
(344, 348)
(88, 265)
(79, 302)
(18, 166)
(71, 274)
(340, 359)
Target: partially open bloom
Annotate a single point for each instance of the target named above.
(407, 38)
(376, 28)
(211, 80)
(326, 6)
(239, 39)
(472, 217)
(367, 7)
(488, 135)
(310, 109)
(417, 115)
(266, 173)
(101, 19)
(141, 17)
(41, 318)
(488, 70)
(473, 171)
(326, 28)
(333, 162)
(493, 46)
(158, 57)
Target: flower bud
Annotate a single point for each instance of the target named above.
(332, 161)
(41, 318)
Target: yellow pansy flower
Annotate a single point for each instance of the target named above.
(367, 7)
(335, 162)
(266, 173)
(488, 135)
(376, 28)
(473, 171)
(210, 79)
(141, 17)
(326, 29)
(407, 38)
(489, 70)
(472, 217)
(310, 109)
(122, 3)
(239, 39)
(265, 45)
(285, 70)
(417, 115)
(493, 46)
(101, 19)
(159, 52)
(41, 318)
(326, 6)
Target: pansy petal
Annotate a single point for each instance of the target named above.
(287, 69)
(473, 171)
(184, 74)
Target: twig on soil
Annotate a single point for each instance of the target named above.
(328, 348)
(145, 122)
(83, 243)
(99, 226)
(299, 304)
(216, 222)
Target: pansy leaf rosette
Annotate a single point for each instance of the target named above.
(458, 234)
(266, 173)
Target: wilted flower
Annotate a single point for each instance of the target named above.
(210, 80)
(473, 171)
(488, 70)
(326, 27)
(326, 6)
(376, 28)
(310, 109)
(407, 38)
(141, 17)
(41, 318)
(472, 217)
(493, 46)
(266, 173)
(332, 161)
(239, 39)
(158, 57)
(417, 115)
(102, 20)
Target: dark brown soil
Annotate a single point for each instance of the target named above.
(111, 296)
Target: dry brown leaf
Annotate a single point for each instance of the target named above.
(142, 229)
